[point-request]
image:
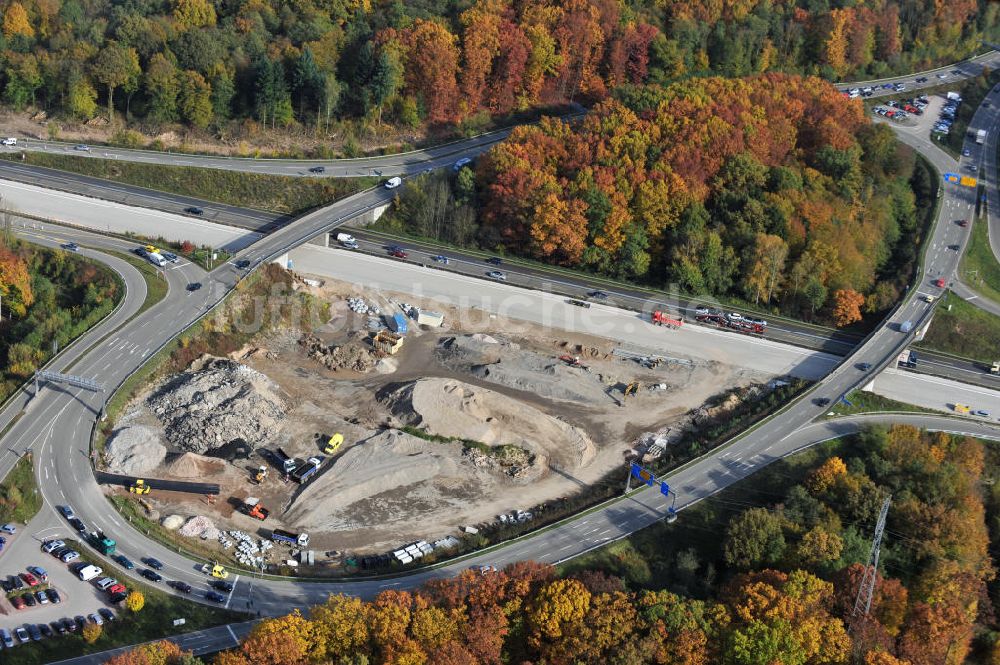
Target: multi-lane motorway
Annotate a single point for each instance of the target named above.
(59, 421)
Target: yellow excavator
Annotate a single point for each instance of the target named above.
(139, 487)
(631, 389)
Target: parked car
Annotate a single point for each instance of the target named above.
(54, 596)
(6, 585)
(39, 573)
(71, 555)
(107, 614)
(22, 634)
(579, 303)
(80, 620)
(42, 597)
(18, 602)
(44, 629)
(117, 588)
(29, 579)
(124, 561)
(9, 528)
(59, 627)
(16, 582)
(118, 597)
(51, 545)
(96, 618)
(29, 599)
(5, 637)
(155, 564)
(69, 624)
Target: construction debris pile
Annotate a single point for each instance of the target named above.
(199, 526)
(133, 449)
(354, 356)
(359, 306)
(250, 552)
(217, 402)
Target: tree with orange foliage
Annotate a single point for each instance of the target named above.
(286, 640)
(847, 307)
(825, 475)
(15, 283)
(154, 653)
(431, 66)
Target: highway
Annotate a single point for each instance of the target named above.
(58, 423)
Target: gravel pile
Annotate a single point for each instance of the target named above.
(217, 402)
(133, 450)
(199, 526)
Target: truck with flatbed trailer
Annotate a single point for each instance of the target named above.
(287, 537)
(660, 318)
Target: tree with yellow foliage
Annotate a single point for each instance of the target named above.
(135, 601)
(91, 633)
(16, 22)
(822, 478)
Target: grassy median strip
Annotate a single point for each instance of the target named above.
(962, 329)
(862, 401)
(980, 269)
(20, 499)
(154, 621)
(287, 194)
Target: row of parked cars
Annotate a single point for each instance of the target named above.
(897, 110)
(27, 582)
(947, 115)
(31, 632)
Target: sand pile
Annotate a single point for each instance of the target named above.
(217, 402)
(455, 409)
(172, 522)
(191, 465)
(134, 450)
(390, 461)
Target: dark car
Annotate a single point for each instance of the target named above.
(16, 582)
(954, 248)
(124, 561)
(78, 524)
(36, 634)
(71, 246)
(964, 223)
(194, 210)
(59, 627)
(80, 620)
(107, 614)
(921, 79)
(864, 367)
(152, 563)
(222, 585)
(45, 630)
(151, 575)
(183, 587)
(54, 596)
(69, 624)
(118, 597)
(216, 596)
(7, 585)
(317, 169)
(398, 253)
(194, 286)
(242, 263)
(579, 303)
(495, 260)
(29, 599)
(821, 401)
(598, 295)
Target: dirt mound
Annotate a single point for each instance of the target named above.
(134, 450)
(456, 409)
(216, 402)
(354, 356)
(388, 461)
(190, 465)
(506, 364)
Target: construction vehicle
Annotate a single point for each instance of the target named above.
(215, 570)
(732, 321)
(139, 487)
(334, 443)
(101, 543)
(260, 475)
(252, 507)
(307, 469)
(664, 319)
(287, 462)
(631, 389)
(282, 536)
(981, 136)
(995, 369)
(573, 361)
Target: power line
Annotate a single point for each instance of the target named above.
(867, 587)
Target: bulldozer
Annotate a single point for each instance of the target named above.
(254, 508)
(260, 475)
(139, 487)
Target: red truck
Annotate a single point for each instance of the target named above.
(664, 319)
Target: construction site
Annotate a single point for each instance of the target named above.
(402, 421)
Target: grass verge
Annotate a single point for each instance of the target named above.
(285, 194)
(962, 329)
(20, 499)
(979, 268)
(862, 401)
(154, 621)
(156, 286)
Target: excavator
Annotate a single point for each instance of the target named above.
(631, 389)
(139, 487)
(253, 508)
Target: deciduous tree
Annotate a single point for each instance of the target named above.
(847, 306)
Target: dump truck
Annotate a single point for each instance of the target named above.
(307, 469)
(101, 543)
(664, 319)
(287, 462)
(252, 507)
(282, 536)
(139, 487)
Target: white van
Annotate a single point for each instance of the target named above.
(10, 140)
(393, 183)
(347, 240)
(88, 573)
(156, 259)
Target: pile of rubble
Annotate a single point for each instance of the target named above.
(216, 402)
(134, 450)
(353, 356)
(510, 460)
(199, 527)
